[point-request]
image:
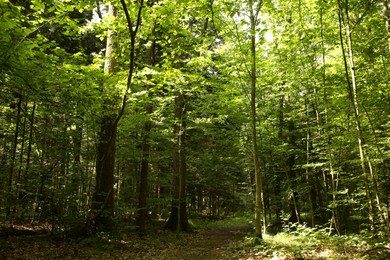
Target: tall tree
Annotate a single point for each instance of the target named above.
(102, 204)
(147, 127)
(353, 95)
(254, 11)
(103, 198)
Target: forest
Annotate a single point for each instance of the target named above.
(130, 126)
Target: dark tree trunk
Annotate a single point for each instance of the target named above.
(178, 219)
(13, 157)
(19, 182)
(103, 197)
(278, 177)
(28, 160)
(143, 188)
(294, 208)
(30, 141)
(199, 192)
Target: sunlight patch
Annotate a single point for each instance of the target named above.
(326, 253)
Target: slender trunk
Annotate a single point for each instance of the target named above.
(382, 214)
(63, 178)
(45, 169)
(307, 172)
(182, 223)
(259, 204)
(333, 186)
(30, 139)
(143, 185)
(334, 219)
(374, 178)
(308, 98)
(329, 152)
(353, 94)
(158, 192)
(143, 192)
(10, 194)
(386, 13)
(77, 180)
(29, 150)
(22, 143)
(19, 194)
(277, 189)
(178, 219)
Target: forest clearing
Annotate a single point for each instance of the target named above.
(143, 129)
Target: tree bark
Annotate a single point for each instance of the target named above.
(18, 181)
(103, 197)
(327, 138)
(259, 203)
(178, 219)
(387, 20)
(29, 150)
(143, 188)
(10, 195)
(308, 159)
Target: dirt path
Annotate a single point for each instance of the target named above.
(211, 244)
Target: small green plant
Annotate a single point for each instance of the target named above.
(312, 243)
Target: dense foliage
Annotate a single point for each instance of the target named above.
(181, 111)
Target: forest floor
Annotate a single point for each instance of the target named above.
(213, 243)
(209, 243)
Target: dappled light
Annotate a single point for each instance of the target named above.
(183, 129)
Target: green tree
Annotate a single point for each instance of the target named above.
(103, 198)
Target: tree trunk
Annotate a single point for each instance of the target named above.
(387, 20)
(77, 181)
(178, 219)
(374, 178)
(103, 197)
(327, 139)
(10, 194)
(144, 172)
(259, 204)
(29, 150)
(143, 189)
(19, 182)
(308, 159)
(353, 94)
(382, 214)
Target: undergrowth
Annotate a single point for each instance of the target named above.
(312, 243)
